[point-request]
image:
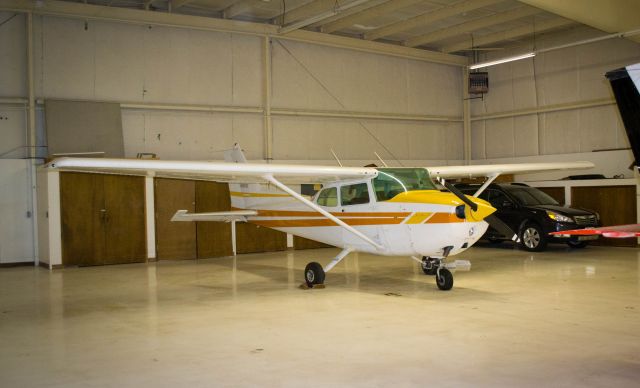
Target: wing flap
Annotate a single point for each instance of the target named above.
(228, 216)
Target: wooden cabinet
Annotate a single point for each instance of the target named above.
(102, 219)
(616, 205)
(190, 240)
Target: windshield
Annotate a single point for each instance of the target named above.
(531, 196)
(393, 181)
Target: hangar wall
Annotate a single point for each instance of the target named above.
(571, 83)
(187, 71)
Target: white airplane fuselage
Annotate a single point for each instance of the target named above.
(411, 226)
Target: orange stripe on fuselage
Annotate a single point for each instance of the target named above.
(443, 218)
(324, 222)
(297, 213)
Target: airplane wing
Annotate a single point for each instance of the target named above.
(228, 216)
(616, 231)
(497, 169)
(214, 171)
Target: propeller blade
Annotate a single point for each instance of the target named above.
(501, 227)
(458, 193)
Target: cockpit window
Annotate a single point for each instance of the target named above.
(354, 194)
(328, 197)
(393, 181)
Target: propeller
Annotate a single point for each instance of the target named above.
(491, 219)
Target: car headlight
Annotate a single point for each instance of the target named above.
(559, 217)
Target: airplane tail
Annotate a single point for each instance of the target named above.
(237, 190)
(251, 195)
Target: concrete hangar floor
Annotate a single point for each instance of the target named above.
(558, 318)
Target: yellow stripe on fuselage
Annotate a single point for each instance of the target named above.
(418, 218)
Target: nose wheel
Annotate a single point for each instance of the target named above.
(444, 279)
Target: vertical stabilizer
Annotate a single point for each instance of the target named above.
(625, 83)
(235, 155)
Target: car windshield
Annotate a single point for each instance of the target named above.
(531, 196)
(393, 181)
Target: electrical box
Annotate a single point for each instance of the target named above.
(478, 83)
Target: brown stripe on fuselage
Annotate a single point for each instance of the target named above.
(324, 222)
(298, 213)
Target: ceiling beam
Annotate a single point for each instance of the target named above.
(140, 17)
(349, 12)
(305, 11)
(427, 18)
(175, 4)
(501, 36)
(237, 8)
(379, 10)
(610, 16)
(473, 25)
(321, 16)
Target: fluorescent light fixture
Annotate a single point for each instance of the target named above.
(503, 60)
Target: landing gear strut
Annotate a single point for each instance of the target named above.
(435, 266)
(314, 274)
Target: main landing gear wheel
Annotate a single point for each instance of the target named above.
(429, 266)
(444, 279)
(313, 274)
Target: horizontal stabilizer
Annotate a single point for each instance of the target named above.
(228, 216)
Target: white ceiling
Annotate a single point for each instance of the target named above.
(449, 26)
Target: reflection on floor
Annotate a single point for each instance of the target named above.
(559, 318)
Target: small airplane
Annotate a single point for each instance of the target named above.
(385, 211)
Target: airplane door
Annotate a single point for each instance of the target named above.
(357, 210)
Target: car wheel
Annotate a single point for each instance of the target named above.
(577, 244)
(532, 238)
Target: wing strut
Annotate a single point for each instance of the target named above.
(317, 208)
(490, 179)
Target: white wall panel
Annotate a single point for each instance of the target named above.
(566, 76)
(560, 132)
(13, 61)
(119, 67)
(478, 139)
(313, 138)
(500, 139)
(247, 70)
(315, 77)
(12, 133)
(188, 135)
(68, 59)
(433, 89)
(525, 133)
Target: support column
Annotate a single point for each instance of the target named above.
(266, 98)
(32, 150)
(466, 115)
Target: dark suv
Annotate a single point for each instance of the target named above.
(533, 214)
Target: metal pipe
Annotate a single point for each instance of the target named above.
(266, 98)
(545, 109)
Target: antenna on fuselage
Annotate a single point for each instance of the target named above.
(335, 156)
(380, 159)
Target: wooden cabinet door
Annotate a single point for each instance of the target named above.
(616, 205)
(305, 243)
(174, 240)
(103, 219)
(125, 228)
(251, 238)
(214, 238)
(82, 217)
